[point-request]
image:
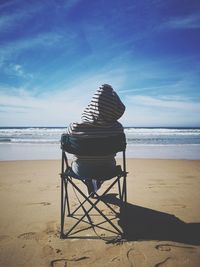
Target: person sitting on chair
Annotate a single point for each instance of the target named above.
(99, 119)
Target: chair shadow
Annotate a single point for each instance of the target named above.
(139, 223)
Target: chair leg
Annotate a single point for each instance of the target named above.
(64, 201)
(124, 191)
(67, 197)
(62, 209)
(62, 205)
(90, 187)
(119, 189)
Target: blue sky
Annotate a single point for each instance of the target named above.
(55, 53)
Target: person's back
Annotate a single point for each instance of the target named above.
(99, 119)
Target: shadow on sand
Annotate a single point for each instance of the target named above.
(140, 223)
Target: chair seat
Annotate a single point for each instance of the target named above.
(99, 146)
(117, 172)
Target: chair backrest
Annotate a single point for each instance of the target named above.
(99, 146)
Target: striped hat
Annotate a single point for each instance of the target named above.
(105, 106)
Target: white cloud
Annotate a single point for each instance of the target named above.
(59, 108)
(24, 10)
(24, 108)
(169, 102)
(21, 13)
(184, 22)
(46, 39)
(161, 111)
(21, 107)
(65, 100)
(8, 21)
(18, 71)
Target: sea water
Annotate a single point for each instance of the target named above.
(18, 143)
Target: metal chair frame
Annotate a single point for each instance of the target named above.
(68, 179)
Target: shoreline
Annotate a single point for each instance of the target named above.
(118, 159)
(53, 152)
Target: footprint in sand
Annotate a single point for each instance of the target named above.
(136, 258)
(168, 247)
(115, 259)
(29, 236)
(162, 262)
(59, 263)
(45, 203)
(63, 262)
(40, 203)
(174, 260)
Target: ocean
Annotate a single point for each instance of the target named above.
(18, 143)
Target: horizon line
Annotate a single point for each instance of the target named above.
(30, 126)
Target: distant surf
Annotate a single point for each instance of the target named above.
(141, 136)
(43, 142)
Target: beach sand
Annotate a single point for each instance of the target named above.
(161, 220)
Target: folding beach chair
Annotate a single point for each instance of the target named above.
(87, 206)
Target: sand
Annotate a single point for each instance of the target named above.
(161, 220)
